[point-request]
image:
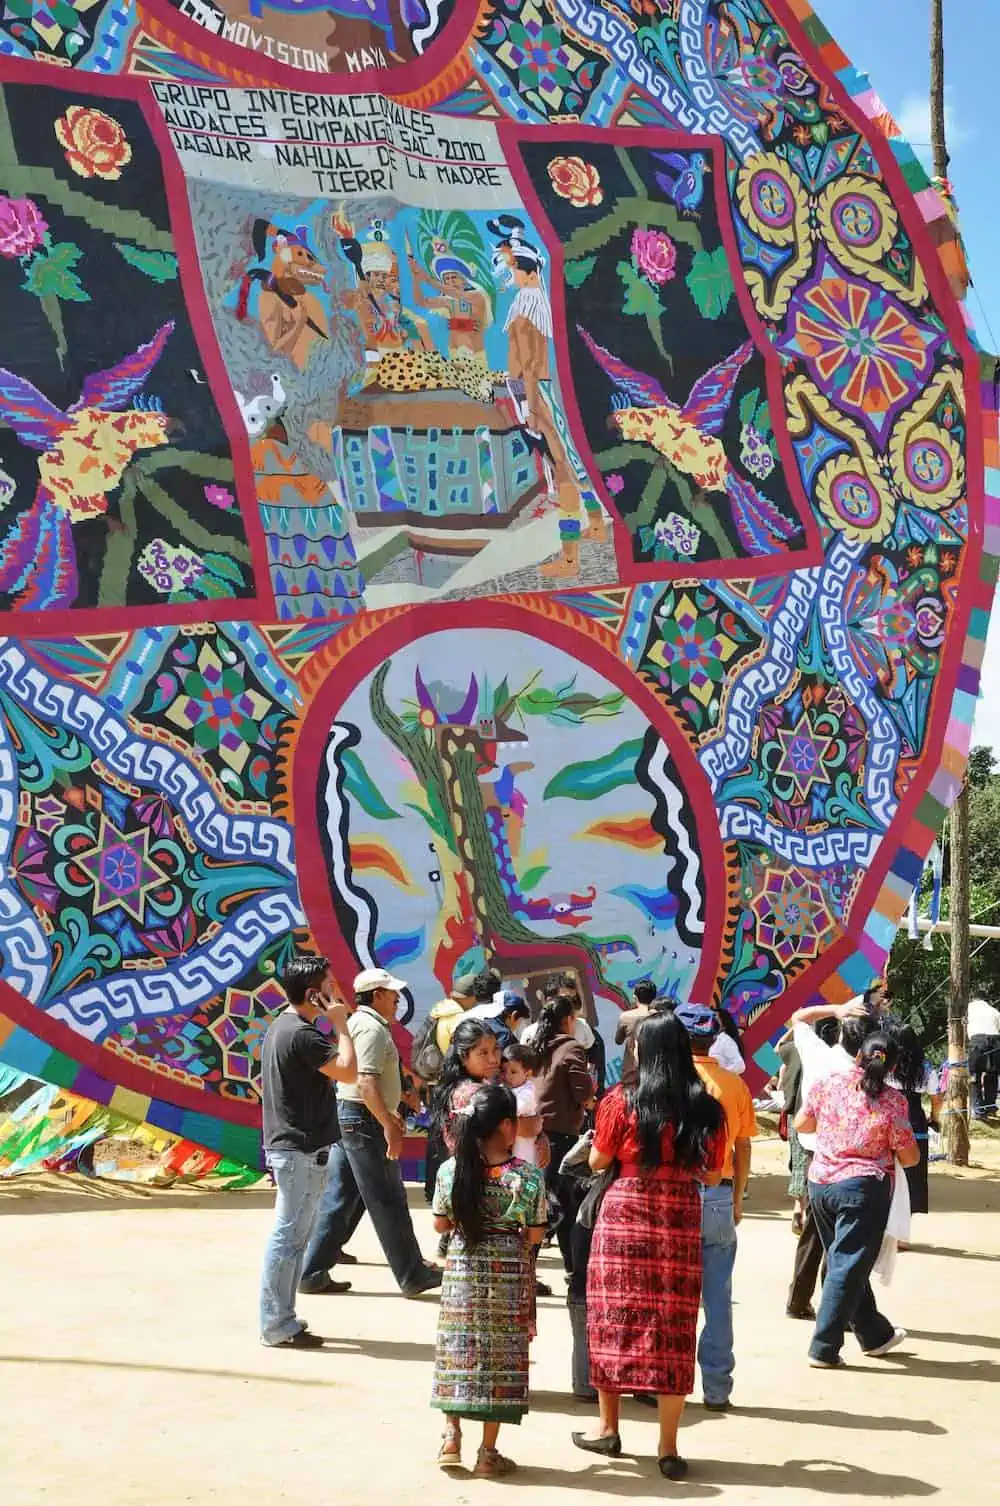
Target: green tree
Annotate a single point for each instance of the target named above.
(918, 980)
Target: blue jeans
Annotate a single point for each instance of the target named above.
(718, 1256)
(341, 1210)
(851, 1217)
(380, 1183)
(299, 1176)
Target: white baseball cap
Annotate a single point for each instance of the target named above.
(377, 977)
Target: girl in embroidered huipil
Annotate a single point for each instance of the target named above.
(493, 1205)
(861, 1127)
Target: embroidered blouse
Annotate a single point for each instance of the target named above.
(855, 1137)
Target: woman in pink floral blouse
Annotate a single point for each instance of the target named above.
(862, 1128)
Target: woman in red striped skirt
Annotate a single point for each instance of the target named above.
(644, 1281)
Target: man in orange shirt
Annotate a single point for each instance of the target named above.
(722, 1209)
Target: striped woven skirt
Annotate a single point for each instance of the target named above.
(485, 1325)
(644, 1287)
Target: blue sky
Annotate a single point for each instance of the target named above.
(888, 40)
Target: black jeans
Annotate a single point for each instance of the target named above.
(567, 1191)
(380, 1185)
(808, 1258)
(851, 1217)
(984, 1062)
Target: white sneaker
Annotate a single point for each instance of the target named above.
(826, 1364)
(899, 1334)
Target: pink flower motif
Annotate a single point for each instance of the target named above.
(219, 496)
(655, 255)
(22, 228)
(615, 483)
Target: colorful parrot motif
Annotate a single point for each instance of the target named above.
(688, 437)
(687, 189)
(84, 453)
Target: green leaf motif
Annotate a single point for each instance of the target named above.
(223, 567)
(51, 274)
(532, 878)
(209, 586)
(640, 296)
(763, 423)
(596, 777)
(710, 282)
(361, 788)
(748, 406)
(160, 266)
(577, 272)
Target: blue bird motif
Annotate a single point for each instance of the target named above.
(687, 189)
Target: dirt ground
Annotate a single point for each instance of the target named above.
(131, 1374)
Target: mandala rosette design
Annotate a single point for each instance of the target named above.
(855, 500)
(926, 447)
(793, 912)
(691, 653)
(860, 344)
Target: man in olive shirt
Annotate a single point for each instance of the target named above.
(299, 1066)
(372, 1137)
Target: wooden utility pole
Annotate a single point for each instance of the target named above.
(956, 1123)
(939, 142)
(956, 1113)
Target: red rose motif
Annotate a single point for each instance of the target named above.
(576, 180)
(22, 229)
(95, 145)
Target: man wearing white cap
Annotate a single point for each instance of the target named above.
(372, 1138)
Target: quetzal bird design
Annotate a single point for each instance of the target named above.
(686, 188)
(688, 437)
(83, 455)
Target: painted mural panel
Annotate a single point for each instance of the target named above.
(117, 476)
(492, 481)
(487, 814)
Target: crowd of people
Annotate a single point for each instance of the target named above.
(642, 1185)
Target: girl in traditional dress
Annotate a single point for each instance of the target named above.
(493, 1207)
(667, 1137)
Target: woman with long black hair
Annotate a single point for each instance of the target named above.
(909, 1076)
(667, 1136)
(564, 1090)
(861, 1127)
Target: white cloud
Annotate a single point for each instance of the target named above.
(914, 120)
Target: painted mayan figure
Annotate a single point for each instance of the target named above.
(376, 299)
(528, 328)
(459, 279)
(291, 317)
(399, 351)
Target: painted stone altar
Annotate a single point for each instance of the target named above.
(498, 480)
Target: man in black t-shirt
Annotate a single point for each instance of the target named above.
(298, 1069)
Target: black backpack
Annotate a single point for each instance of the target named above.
(426, 1059)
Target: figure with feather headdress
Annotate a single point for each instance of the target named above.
(457, 272)
(292, 318)
(376, 300)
